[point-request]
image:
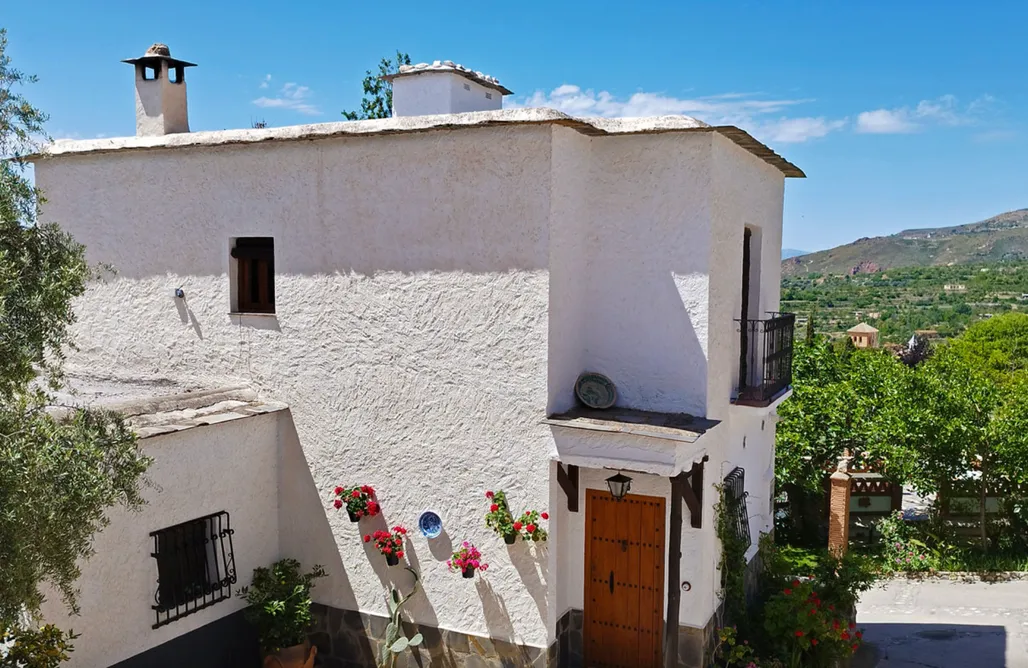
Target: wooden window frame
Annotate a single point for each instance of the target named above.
(255, 274)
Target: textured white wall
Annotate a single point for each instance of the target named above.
(161, 106)
(436, 293)
(441, 92)
(410, 337)
(230, 466)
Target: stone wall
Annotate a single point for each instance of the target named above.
(350, 639)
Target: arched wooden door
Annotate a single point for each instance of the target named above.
(624, 581)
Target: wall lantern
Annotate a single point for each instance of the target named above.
(619, 485)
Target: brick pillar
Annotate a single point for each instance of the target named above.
(839, 510)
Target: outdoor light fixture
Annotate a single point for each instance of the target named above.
(619, 485)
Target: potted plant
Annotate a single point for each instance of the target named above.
(529, 524)
(467, 560)
(278, 604)
(499, 518)
(389, 543)
(359, 501)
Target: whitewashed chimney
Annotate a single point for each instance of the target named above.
(443, 87)
(161, 106)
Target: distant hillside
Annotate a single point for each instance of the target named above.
(792, 252)
(1002, 237)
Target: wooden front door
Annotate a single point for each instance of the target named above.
(624, 581)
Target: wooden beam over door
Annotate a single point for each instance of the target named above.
(568, 481)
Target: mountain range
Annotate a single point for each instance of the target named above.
(1002, 237)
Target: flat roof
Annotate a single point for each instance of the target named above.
(669, 426)
(155, 406)
(594, 127)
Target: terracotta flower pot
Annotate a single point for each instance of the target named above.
(510, 538)
(297, 656)
(469, 572)
(392, 559)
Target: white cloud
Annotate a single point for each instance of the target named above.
(944, 110)
(266, 81)
(885, 121)
(293, 97)
(746, 110)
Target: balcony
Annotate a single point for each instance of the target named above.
(765, 359)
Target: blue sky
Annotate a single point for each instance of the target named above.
(903, 114)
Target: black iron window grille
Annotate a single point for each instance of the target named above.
(735, 498)
(765, 358)
(195, 566)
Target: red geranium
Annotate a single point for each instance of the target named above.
(530, 521)
(358, 499)
(389, 542)
(498, 518)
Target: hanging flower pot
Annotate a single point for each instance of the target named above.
(467, 560)
(359, 501)
(499, 518)
(530, 527)
(389, 543)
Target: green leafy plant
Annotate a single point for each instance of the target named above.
(530, 525)
(279, 603)
(358, 499)
(805, 631)
(45, 647)
(378, 93)
(60, 473)
(733, 558)
(499, 518)
(900, 550)
(395, 641)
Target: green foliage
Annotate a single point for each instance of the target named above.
(998, 345)
(733, 558)
(801, 615)
(378, 94)
(902, 300)
(58, 473)
(395, 641)
(45, 647)
(500, 520)
(900, 550)
(278, 603)
(805, 630)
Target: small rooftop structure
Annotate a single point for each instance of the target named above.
(863, 335)
(443, 87)
(161, 104)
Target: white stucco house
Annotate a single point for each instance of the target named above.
(408, 303)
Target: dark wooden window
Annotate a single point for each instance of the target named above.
(255, 274)
(195, 566)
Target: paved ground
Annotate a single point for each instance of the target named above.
(944, 624)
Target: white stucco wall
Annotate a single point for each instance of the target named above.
(410, 337)
(436, 294)
(230, 467)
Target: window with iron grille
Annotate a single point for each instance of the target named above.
(195, 566)
(255, 274)
(735, 498)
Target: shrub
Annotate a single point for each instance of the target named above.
(46, 647)
(900, 550)
(804, 630)
(279, 603)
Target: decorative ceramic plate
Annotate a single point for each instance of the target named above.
(595, 390)
(431, 524)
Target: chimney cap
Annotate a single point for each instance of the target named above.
(156, 54)
(449, 66)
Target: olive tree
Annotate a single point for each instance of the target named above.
(59, 472)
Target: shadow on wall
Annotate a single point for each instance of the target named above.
(942, 645)
(530, 560)
(304, 531)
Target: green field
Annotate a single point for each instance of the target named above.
(900, 301)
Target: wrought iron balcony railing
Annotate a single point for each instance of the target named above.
(765, 358)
